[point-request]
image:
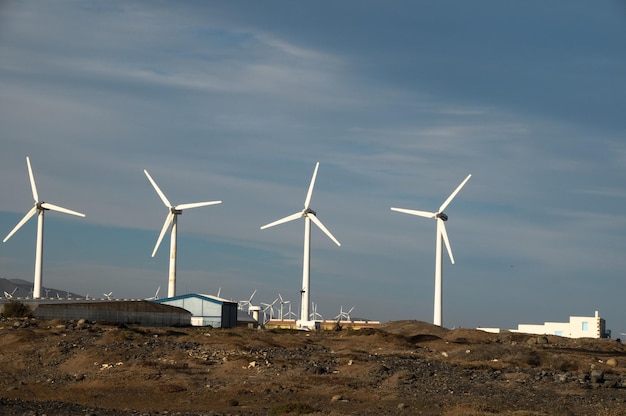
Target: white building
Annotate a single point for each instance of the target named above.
(206, 309)
(577, 327)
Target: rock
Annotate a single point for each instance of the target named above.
(337, 398)
(401, 406)
(612, 362)
(596, 376)
(542, 340)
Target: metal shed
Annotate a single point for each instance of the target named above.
(206, 309)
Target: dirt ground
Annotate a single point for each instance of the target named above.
(402, 368)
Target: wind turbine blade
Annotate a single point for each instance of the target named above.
(453, 194)
(28, 215)
(33, 187)
(414, 212)
(321, 227)
(307, 201)
(168, 221)
(158, 190)
(283, 220)
(444, 235)
(57, 208)
(196, 204)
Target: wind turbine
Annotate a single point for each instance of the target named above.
(309, 215)
(269, 307)
(175, 211)
(282, 303)
(247, 302)
(156, 295)
(314, 314)
(39, 209)
(441, 218)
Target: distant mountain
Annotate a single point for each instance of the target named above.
(19, 288)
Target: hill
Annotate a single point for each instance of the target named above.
(405, 367)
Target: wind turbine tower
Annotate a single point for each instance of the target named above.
(441, 235)
(309, 215)
(171, 220)
(39, 208)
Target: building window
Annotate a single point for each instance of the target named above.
(585, 325)
(558, 333)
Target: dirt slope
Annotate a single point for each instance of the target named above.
(405, 367)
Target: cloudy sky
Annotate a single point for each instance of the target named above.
(236, 101)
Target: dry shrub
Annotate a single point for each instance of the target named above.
(560, 363)
(15, 309)
(297, 408)
(524, 358)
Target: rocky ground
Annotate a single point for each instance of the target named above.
(402, 368)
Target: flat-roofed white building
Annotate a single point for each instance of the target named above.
(577, 327)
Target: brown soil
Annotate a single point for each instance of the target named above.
(401, 368)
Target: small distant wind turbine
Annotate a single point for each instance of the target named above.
(314, 314)
(156, 295)
(39, 209)
(343, 315)
(175, 211)
(247, 302)
(269, 308)
(441, 218)
(282, 304)
(108, 295)
(290, 314)
(10, 295)
(309, 215)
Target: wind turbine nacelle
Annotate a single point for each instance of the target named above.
(310, 211)
(443, 216)
(176, 211)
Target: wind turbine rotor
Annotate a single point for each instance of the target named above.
(33, 187)
(453, 194)
(283, 220)
(444, 236)
(158, 190)
(168, 221)
(196, 205)
(309, 194)
(323, 228)
(52, 207)
(23, 221)
(424, 214)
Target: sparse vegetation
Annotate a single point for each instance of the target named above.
(15, 309)
(293, 408)
(406, 367)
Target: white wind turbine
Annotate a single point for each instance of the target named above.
(282, 303)
(175, 211)
(309, 215)
(39, 209)
(441, 218)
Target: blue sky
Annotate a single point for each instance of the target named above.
(236, 101)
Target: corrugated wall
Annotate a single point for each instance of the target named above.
(131, 312)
